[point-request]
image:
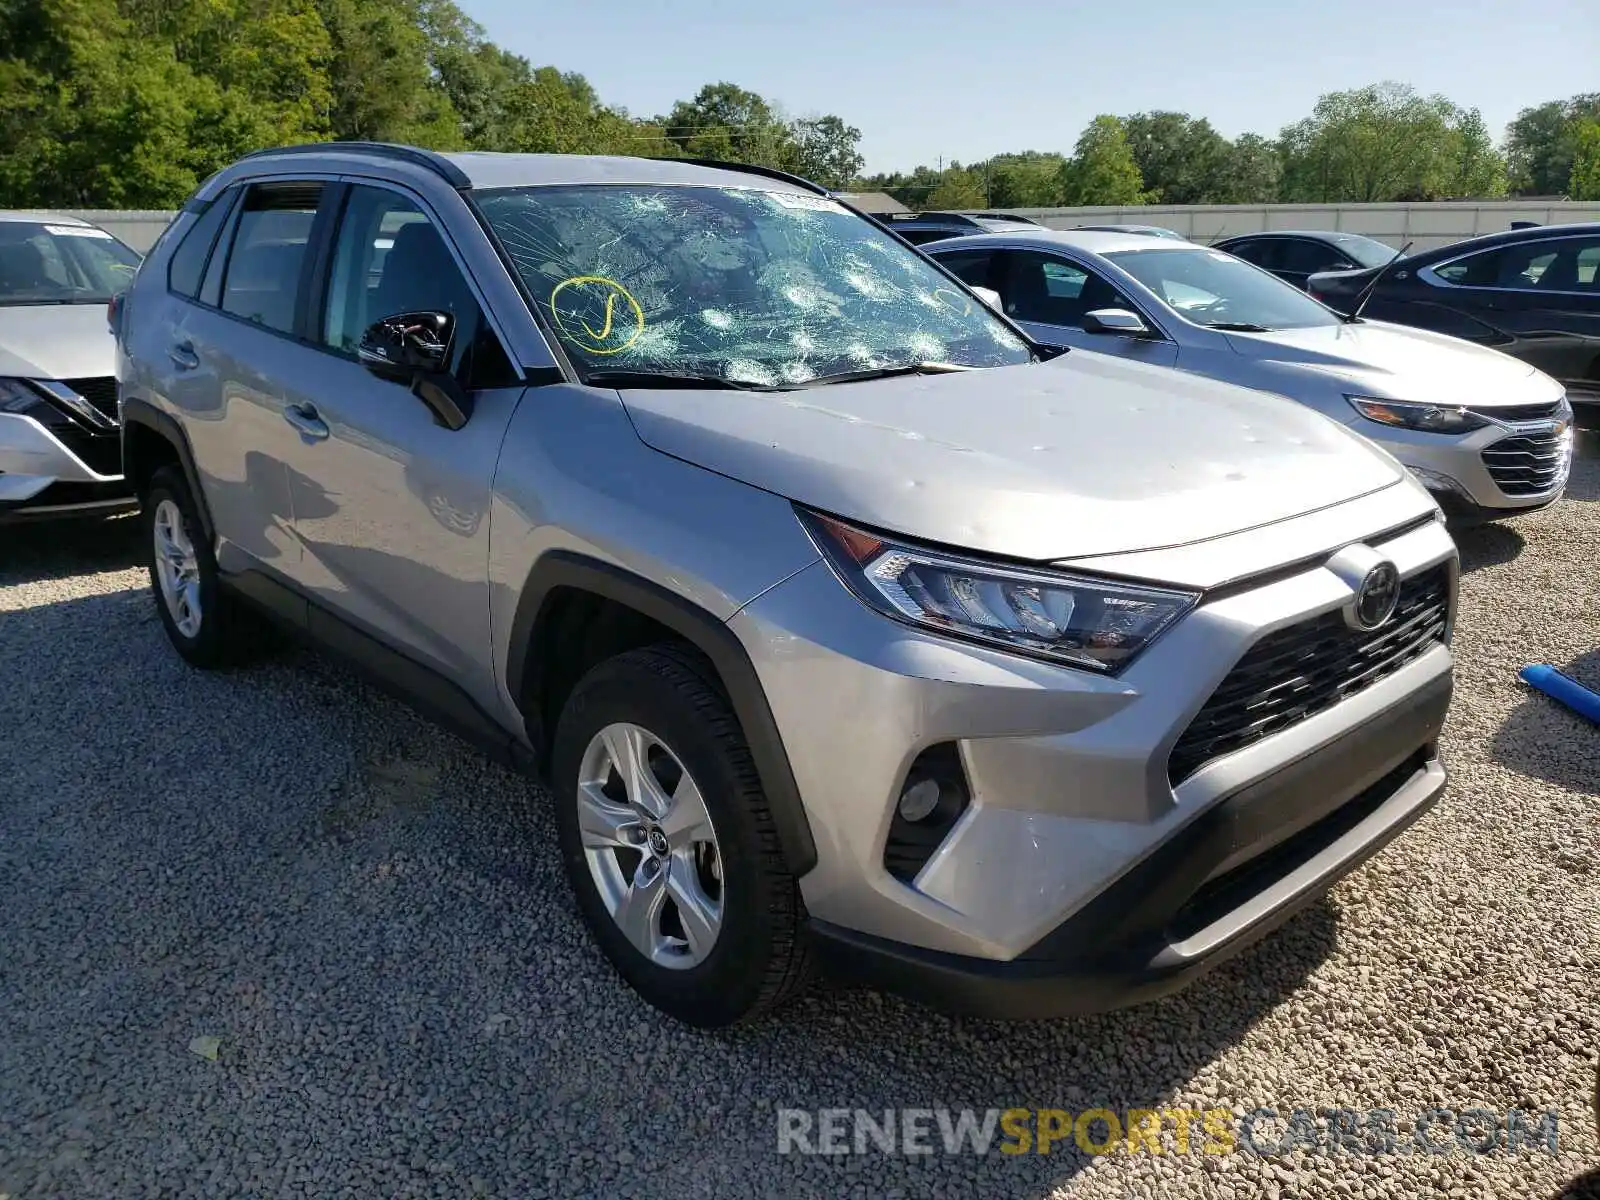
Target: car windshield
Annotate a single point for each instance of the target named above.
(42, 263)
(1209, 287)
(1364, 250)
(744, 285)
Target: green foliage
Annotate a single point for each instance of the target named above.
(1026, 180)
(1583, 182)
(1102, 169)
(1385, 142)
(1542, 143)
(960, 187)
(1251, 172)
(1181, 159)
(132, 103)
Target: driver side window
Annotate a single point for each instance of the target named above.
(390, 258)
(1048, 290)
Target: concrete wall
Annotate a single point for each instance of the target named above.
(1427, 225)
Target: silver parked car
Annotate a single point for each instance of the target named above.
(1490, 436)
(60, 442)
(846, 629)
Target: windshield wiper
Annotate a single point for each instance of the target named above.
(1236, 326)
(670, 379)
(917, 368)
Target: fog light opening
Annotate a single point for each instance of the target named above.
(931, 801)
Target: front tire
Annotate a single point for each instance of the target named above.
(668, 841)
(205, 625)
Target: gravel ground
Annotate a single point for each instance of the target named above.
(370, 920)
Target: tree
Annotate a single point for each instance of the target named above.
(1541, 143)
(1250, 174)
(1584, 181)
(383, 85)
(1026, 180)
(825, 150)
(1102, 170)
(1181, 159)
(1377, 143)
(1474, 168)
(725, 121)
(960, 187)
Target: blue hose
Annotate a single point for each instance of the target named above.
(1563, 688)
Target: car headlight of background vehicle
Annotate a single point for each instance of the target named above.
(1429, 418)
(1066, 619)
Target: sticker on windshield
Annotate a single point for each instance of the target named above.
(806, 201)
(88, 231)
(598, 314)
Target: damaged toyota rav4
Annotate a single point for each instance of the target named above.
(848, 632)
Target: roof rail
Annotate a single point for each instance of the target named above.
(437, 163)
(766, 172)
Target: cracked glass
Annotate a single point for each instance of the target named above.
(748, 286)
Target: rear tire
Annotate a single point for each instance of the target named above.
(678, 874)
(208, 627)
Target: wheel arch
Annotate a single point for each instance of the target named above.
(152, 439)
(563, 588)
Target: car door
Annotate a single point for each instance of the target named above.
(391, 507)
(1542, 299)
(1047, 294)
(1296, 260)
(224, 354)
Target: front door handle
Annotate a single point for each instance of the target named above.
(183, 356)
(304, 418)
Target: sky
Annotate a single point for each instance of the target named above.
(964, 79)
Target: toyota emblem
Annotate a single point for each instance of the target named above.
(1376, 598)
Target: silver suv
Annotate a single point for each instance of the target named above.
(848, 631)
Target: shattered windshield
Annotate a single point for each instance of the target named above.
(747, 286)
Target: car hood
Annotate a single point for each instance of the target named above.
(1083, 455)
(56, 341)
(1397, 362)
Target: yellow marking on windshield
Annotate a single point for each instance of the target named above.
(589, 292)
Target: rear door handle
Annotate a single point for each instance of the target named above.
(183, 356)
(304, 418)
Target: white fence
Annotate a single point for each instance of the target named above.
(1427, 225)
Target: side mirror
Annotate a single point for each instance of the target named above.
(990, 297)
(1116, 320)
(414, 348)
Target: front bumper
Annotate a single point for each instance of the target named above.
(40, 475)
(1073, 816)
(1475, 476)
(1241, 869)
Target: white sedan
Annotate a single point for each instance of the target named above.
(1490, 436)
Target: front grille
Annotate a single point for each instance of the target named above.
(1527, 464)
(100, 392)
(1295, 672)
(1523, 412)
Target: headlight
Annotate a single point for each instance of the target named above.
(1066, 619)
(1429, 418)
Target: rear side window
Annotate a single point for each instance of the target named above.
(1305, 257)
(1259, 253)
(188, 262)
(269, 250)
(970, 266)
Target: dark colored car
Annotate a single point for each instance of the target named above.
(1295, 255)
(919, 228)
(1532, 293)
